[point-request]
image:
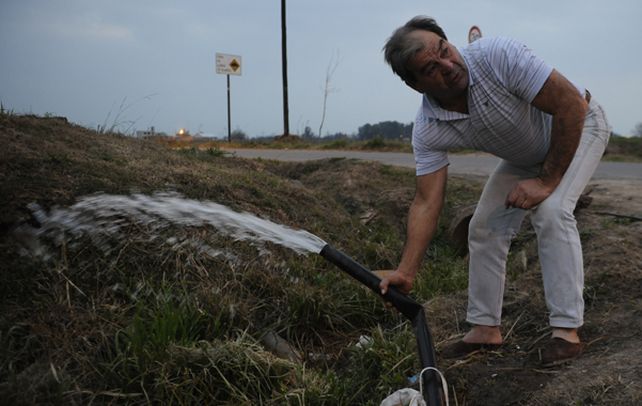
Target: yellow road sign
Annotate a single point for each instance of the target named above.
(228, 64)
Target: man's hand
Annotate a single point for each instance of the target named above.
(528, 193)
(401, 281)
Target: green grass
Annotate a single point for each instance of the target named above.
(445, 273)
(379, 367)
(624, 149)
(143, 322)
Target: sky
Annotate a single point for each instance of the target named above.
(134, 64)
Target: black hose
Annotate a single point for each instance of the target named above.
(406, 306)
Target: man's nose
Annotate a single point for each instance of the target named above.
(446, 66)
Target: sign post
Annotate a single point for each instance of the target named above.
(228, 65)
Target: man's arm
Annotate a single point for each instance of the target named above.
(560, 98)
(422, 224)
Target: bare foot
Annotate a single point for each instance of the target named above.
(484, 334)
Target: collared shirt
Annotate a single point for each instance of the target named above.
(504, 78)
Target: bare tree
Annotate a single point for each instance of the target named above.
(332, 67)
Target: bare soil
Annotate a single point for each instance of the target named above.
(610, 371)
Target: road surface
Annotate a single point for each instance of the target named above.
(462, 164)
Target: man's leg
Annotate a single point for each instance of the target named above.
(560, 251)
(491, 230)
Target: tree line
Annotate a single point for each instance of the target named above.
(387, 130)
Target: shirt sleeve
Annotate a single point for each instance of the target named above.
(517, 67)
(427, 159)
(430, 161)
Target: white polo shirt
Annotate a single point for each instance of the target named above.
(504, 78)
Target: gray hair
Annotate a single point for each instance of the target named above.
(401, 47)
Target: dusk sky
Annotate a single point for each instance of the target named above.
(83, 58)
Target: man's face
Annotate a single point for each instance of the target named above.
(439, 69)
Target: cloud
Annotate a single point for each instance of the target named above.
(92, 30)
(107, 31)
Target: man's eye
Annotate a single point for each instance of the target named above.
(444, 52)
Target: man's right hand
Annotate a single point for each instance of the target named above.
(403, 282)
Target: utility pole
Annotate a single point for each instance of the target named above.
(229, 112)
(284, 54)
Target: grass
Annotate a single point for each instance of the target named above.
(446, 273)
(377, 364)
(155, 318)
(624, 149)
(292, 142)
(149, 321)
(619, 149)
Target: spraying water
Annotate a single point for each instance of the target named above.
(104, 217)
(107, 218)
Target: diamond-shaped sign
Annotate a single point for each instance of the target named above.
(228, 64)
(235, 65)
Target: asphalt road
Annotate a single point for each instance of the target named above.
(463, 164)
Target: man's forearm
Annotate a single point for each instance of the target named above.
(560, 98)
(565, 137)
(422, 225)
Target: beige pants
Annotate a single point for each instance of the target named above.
(560, 252)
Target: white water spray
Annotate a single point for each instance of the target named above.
(103, 217)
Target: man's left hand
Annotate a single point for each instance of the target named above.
(528, 193)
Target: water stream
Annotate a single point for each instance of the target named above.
(104, 218)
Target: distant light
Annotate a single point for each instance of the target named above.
(181, 131)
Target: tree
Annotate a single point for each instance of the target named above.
(637, 131)
(332, 66)
(238, 135)
(307, 132)
(391, 130)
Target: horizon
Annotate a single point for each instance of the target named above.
(88, 61)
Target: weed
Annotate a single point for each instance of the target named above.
(445, 273)
(375, 143)
(215, 151)
(166, 322)
(118, 121)
(337, 144)
(380, 363)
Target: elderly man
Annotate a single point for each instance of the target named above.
(496, 96)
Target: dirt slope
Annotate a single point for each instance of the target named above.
(361, 208)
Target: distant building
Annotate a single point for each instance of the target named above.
(146, 133)
(184, 135)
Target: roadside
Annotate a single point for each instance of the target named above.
(471, 163)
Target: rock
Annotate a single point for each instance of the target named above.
(278, 346)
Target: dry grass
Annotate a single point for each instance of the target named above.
(148, 323)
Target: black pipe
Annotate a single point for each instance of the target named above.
(406, 306)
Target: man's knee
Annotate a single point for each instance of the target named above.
(500, 223)
(553, 213)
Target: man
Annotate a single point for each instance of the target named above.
(497, 96)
